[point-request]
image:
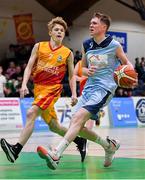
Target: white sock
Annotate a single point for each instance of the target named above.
(103, 142)
(61, 147)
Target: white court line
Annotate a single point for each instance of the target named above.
(132, 141)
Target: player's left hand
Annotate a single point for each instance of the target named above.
(74, 100)
(135, 84)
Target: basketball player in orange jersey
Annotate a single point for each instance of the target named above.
(47, 63)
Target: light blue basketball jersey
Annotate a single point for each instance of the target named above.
(100, 87)
(103, 56)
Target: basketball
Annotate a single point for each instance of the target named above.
(125, 76)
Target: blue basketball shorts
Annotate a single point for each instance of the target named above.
(93, 101)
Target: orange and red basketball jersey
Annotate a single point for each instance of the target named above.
(50, 67)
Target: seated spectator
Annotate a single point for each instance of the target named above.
(142, 59)
(137, 64)
(17, 81)
(142, 71)
(11, 69)
(140, 89)
(15, 93)
(9, 88)
(18, 73)
(122, 92)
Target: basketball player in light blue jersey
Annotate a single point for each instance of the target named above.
(101, 55)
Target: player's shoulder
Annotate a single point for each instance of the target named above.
(43, 43)
(115, 42)
(65, 47)
(87, 41)
(87, 44)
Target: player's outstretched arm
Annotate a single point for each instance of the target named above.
(28, 70)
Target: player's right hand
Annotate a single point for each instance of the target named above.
(91, 70)
(23, 91)
(74, 100)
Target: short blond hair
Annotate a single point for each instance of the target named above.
(57, 20)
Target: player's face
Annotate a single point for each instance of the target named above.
(96, 27)
(57, 33)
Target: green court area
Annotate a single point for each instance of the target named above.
(30, 166)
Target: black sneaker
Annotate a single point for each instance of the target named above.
(9, 150)
(82, 148)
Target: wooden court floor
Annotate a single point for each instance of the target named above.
(129, 161)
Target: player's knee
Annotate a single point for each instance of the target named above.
(31, 114)
(76, 120)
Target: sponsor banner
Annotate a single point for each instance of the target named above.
(62, 107)
(10, 114)
(13, 113)
(120, 37)
(64, 111)
(24, 29)
(39, 122)
(139, 106)
(104, 121)
(122, 112)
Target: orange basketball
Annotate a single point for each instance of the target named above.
(125, 76)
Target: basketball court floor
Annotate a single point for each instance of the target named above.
(129, 162)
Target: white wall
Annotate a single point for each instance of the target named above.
(123, 20)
